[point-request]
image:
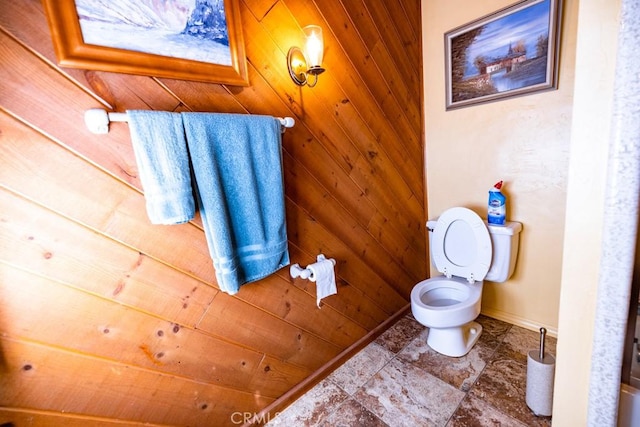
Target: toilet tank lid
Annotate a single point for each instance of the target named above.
(509, 228)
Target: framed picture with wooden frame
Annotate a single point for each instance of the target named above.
(511, 52)
(197, 40)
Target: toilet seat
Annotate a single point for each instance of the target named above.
(461, 245)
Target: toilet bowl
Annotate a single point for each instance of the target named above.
(462, 249)
(455, 297)
(448, 307)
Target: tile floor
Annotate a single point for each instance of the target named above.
(397, 380)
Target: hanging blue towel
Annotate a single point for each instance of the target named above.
(237, 163)
(163, 164)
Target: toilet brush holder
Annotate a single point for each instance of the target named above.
(541, 368)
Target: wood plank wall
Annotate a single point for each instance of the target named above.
(107, 319)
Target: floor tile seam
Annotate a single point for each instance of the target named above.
(373, 375)
(414, 403)
(369, 378)
(488, 361)
(336, 409)
(372, 410)
(491, 360)
(364, 405)
(411, 341)
(435, 377)
(450, 419)
(473, 384)
(393, 355)
(486, 402)
(361, 388)
(415, 365)
(361, 404)
(506, 357)
(323, 414)
(330, 377)
(386, 363)
(498, 410)
(466, 395)
(341, 389)
(501, 337)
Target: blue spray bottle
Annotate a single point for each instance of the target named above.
(497, 207)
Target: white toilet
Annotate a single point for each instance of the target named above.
(466, 250)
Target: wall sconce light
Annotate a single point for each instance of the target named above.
(302, 64)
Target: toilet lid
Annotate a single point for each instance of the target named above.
(461, 245)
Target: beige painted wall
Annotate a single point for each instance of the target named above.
(566, 134)
(523, 141)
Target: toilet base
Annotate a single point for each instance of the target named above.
(454, 342)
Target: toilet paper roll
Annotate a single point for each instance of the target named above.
(540, 374)
(322, 273)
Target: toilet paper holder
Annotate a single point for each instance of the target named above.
(296, 271)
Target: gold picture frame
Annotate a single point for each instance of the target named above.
(508, 53)
(72, 50)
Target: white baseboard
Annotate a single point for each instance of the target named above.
(520, 321)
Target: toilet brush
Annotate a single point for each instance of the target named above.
(540, 373)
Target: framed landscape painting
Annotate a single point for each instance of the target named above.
(511, 52)
(180, 39)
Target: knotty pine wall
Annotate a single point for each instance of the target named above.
(105, 318)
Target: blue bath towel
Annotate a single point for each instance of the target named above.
(237, 163)
(161, 154)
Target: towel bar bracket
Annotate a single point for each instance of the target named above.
(97, 120)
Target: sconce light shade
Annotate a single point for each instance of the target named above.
(301, 64)
(314, 47)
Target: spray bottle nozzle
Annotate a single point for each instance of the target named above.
(497, 185)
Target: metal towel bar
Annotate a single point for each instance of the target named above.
(97, 120)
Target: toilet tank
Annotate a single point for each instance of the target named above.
(505, 241)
